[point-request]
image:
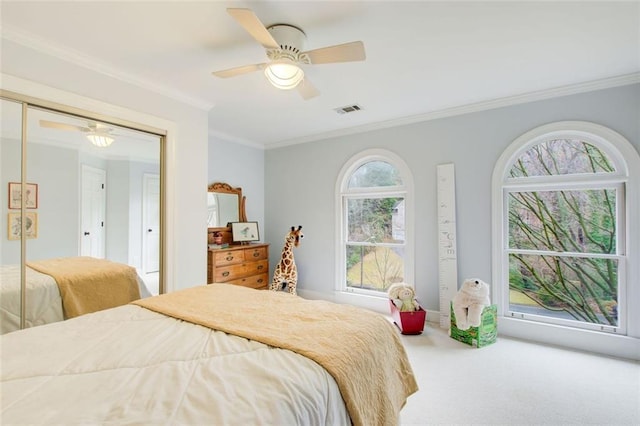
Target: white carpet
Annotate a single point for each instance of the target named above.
(512, 382)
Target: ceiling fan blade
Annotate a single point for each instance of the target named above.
(348, 52)
(232, 72)
(63, 126)
(307, 90)
(253, 26)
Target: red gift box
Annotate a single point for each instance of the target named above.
(409, 322)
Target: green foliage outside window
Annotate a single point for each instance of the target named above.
(375, 260)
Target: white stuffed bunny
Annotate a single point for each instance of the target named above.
(469, 303)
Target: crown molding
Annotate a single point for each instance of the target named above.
(556, 92)
(86, 61)
(234, 139)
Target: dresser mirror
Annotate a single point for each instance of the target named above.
(237, 264)
(225, 204)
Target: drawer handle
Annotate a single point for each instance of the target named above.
(256, 254)
(260, 267)
(229, 258)
(225, 274)
(260, 280)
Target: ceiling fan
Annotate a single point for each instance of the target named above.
(99, 134)
(284, 45)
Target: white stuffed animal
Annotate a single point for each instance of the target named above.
(403, 297)
(469, 303)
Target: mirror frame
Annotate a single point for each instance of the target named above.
(225, 188)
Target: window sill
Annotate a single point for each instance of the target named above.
(585, 340)
(374, 303)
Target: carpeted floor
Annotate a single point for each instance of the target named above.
(513, 382)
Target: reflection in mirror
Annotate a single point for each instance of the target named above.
(10, 250)
(222, 208)
(98, 196)
(225, 204)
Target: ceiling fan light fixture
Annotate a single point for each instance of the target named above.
(101, 140)
(284, 75)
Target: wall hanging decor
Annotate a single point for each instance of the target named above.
(14, 225)
(15, 195)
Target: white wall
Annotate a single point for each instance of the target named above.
(300, 181)
(36, 74)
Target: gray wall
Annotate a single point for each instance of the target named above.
(300, 180)
(57, 200)
(118, 212)
(240, 166)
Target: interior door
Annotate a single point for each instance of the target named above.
(93, 202)
(151, 223)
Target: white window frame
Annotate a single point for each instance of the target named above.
(607, 182)
(626, 179)
(362, 297)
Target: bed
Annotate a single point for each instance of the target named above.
(210, 355)
(62, 288)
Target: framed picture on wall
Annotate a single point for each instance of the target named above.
(244, 231)
(14, 225)
(15, 195)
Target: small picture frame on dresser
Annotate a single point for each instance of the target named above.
(243, 232)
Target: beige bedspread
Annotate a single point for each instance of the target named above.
(88, 284)
(360, 349)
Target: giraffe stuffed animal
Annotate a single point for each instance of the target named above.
(286, 273)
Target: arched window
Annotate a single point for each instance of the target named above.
(374, 212)
(564, 195)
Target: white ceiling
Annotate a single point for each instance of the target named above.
(422, 56)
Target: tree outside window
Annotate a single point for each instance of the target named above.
(563, 244)
(374, 212)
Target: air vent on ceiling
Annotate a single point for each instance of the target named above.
(348, 109)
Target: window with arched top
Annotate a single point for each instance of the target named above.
(374, 211)
(565, 226)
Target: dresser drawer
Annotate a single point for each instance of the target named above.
(257, 253)
(254, 281)
(245, 265)
(230, 257)
(228, 273)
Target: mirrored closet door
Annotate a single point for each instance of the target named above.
(74, 184)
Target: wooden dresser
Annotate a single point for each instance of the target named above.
(245, 265)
